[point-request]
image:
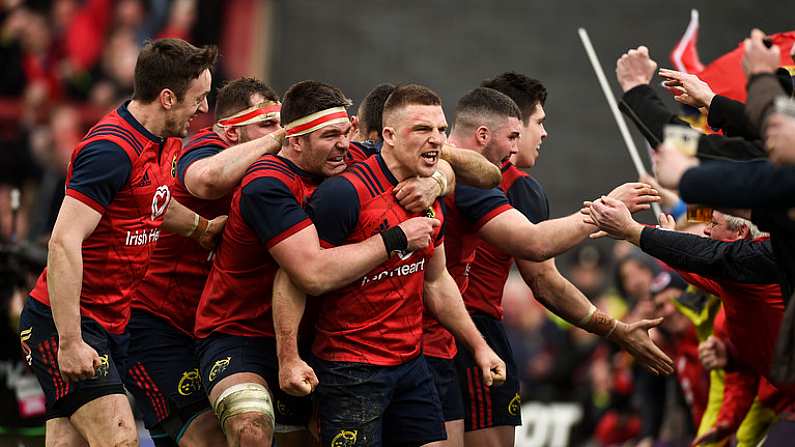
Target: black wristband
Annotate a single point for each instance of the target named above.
(394, 240)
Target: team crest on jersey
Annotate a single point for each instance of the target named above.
(190, 382)
(514, 405)
(345, 438)
(219, 367)
(24, 336)
(160, 201)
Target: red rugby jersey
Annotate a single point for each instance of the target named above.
(753, 317)
(179, 267)
(489, 273)
(266, 209)
(468, 209)
(116, 254)
(378, 319)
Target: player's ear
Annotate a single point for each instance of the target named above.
(232, 133)
(167, 98)
(389, 135)
(482, 134)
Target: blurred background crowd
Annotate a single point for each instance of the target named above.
(67, 62)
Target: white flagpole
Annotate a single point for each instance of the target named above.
(611, 100)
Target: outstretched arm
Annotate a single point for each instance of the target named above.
(560, 296)
(515, 235)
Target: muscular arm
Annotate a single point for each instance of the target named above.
(444, 301)
(334, 208)
(76, 221)
(512, 233)
(289, 303)
(214, 177)
(471, 168)
(316, 270)
(554, 291)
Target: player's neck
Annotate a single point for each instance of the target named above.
(397, 169)
(293, 156)
(149, 115)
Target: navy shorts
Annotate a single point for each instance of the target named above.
(493, 406)
(39, 339)
(163, 375)
(221, 355)
(446, 380)
(369, 405)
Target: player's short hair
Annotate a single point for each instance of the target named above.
(172, 64)
(409, 94)
(307, 97)
(371, 110)
(482, 106)
(526, 92)
(235, 96)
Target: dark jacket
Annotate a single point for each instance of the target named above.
(642, 105)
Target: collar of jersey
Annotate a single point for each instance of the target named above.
(124, 113)
(294, 167)
(385, 170)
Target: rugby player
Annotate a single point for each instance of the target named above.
(162, 368)
(374, 385)
(268, 228)
(117, 199)
(524, 233)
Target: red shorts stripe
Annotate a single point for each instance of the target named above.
(137, 374)
(45, 356)
(150, 393)
(481, 397)
(472, 411)
(54, 353)
(52, 362)
(160, 397)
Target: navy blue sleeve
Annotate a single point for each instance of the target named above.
(527, 196)
(269, 208)
(193, 156)
(334, 209)
(478, 205)
(739, 184)
(100, 170)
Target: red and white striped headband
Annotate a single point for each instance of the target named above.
(317, 120)
(261, 112)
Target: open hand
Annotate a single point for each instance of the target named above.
(634, 338)
(687, 88)
(634, 68)
(636, 196)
